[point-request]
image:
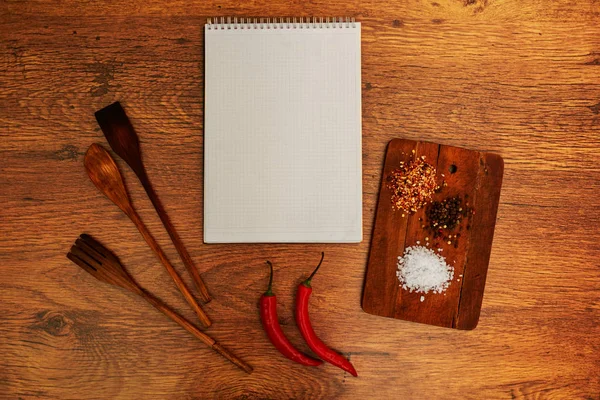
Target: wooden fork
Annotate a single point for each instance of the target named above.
(100, 262)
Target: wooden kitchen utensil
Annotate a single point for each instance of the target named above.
(477, 178)
(103, 172)
(124, 141)
(105, 266)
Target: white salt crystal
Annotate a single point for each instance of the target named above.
(423, 271)
(422, 299)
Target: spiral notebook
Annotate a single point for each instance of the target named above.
(282, 132)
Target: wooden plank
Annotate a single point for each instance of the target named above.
(463, 182)
(408, 306)
(485, 204)
(380, 293)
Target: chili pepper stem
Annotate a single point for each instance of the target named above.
(307, 282)
(269, 291)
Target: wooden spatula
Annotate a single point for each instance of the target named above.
(124, 141)
(103, 172)
(101, 263)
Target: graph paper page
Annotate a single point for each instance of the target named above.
(282, 135)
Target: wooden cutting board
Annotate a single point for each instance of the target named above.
(477, 178)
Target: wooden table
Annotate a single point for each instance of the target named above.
(520, 78)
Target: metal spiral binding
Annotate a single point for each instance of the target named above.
(280, 23)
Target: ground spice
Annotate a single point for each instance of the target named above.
(412, 185)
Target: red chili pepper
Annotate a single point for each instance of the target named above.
(268, 315)
(303, 321)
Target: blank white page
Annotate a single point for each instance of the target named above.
(282, 133)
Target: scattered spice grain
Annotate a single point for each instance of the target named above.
(412, 185)
(446, 215)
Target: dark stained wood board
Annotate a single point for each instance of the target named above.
(474, 176)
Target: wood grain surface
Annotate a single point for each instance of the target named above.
(518, 78)
(474, 177)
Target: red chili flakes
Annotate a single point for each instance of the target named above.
(412, 185)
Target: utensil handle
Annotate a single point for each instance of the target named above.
(231, 357)
(185, 256)
(162, 307)
(165, 261)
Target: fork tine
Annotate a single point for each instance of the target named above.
(84, 265)
(93, 243)
(81, 254)
(90, 251)
(98, 247)
(101, 263)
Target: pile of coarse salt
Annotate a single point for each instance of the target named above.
(421, 270)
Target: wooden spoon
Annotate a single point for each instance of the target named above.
(103, 171)
(124, 141)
